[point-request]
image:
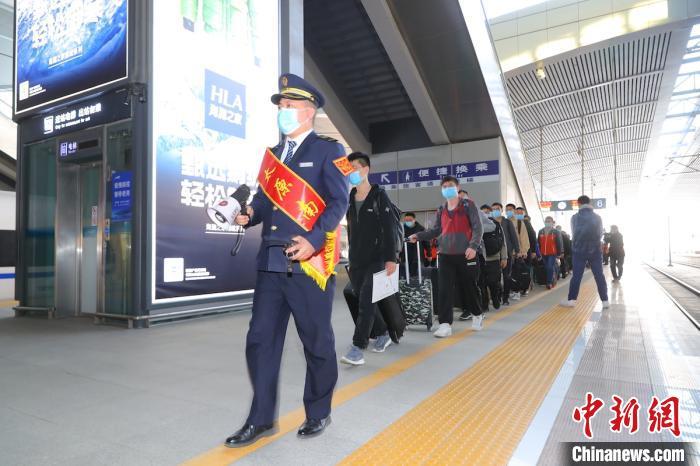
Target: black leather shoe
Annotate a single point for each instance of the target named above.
(249, 434)
(313, 427)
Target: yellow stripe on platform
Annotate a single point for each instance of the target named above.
(481, 416)
(291, 421)
(8, 304)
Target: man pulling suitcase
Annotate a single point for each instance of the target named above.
(458, 226)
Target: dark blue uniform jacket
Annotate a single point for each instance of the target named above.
(313, 161)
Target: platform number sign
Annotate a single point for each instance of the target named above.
(558, 206)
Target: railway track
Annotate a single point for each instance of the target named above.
(683, 284)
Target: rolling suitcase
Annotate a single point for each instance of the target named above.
(416, 297)
(540, 273)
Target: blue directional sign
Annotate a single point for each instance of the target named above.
(486, 170)
(425, 177)
(389, 180)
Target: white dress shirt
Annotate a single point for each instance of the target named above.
(297, 140)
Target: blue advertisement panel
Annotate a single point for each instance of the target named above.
(121, 196)
(65, 47)
(215, 67)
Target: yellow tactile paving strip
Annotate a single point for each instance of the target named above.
(481, 416)
(8, 304)
(291, 421)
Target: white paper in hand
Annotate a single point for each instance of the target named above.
(383, 285)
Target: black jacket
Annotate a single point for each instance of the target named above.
(412, 253)
(566, 239)
(370, 234)
(617, 245)
(532, 236)
(512, 241)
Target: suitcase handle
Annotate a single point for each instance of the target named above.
(408, 273)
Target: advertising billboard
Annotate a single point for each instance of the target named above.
(215, 65)
(66, 47)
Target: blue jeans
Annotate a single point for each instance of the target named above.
(549, 268)
(595, 258)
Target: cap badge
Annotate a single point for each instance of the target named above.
(284, 81)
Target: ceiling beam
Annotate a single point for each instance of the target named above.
(608, 130)
(400, 56)
(585, 115)
(334, 108)
(587, 88)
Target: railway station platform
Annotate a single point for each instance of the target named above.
(79, 394)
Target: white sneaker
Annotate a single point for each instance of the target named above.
(477, 322)
(568, 303)
(444, 330)
(515, 296)
(606, 304)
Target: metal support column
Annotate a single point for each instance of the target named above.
(541, 169)
(583, 188)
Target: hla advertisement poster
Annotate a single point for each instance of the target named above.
(215, 68)
(64, 47)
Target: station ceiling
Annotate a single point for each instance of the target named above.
(597, 123)
(342, 39)
(601, 114)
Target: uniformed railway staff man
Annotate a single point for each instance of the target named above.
(296, 278)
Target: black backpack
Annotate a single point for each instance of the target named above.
(395, 214)
(493, 241)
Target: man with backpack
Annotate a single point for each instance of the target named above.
(458, 226)
(551, 247)
(375, 237)
(566, 257)
(494, 252)
(512, 244)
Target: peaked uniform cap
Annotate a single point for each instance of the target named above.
(294, 87)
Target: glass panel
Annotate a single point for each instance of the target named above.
(90, 216)
(117, 244)
(39, 260)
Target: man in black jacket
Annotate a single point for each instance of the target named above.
(411, 227)
(566, 260)
(372, 249)
(513, 246)
(532, 235)
(616, 252)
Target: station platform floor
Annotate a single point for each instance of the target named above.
(72, 393)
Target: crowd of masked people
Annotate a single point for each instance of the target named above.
(476, 259)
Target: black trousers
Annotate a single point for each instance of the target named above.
(506, 279)
(491, 283)
(456, 269)
(616, 264)
(369, 319)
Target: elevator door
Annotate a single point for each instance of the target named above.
(90, 248)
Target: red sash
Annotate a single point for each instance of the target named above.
(303, 205)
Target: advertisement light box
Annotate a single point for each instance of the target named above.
(67, 47)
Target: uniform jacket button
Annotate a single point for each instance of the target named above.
(275, 208)
(273, 227)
